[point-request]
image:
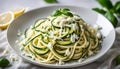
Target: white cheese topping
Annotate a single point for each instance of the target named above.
(73, 38)
(13, 57)
(80, 60)
(50, 46)
(76, 37)
(69, 19)
(90, 53)
(62, 22)
(76, 17)
(96, 27)
(67, 25)
(19, 33)
(67, 52)
(61, 62)
(81, 27)
(51, 34)
(60, 31)
(98, 35)
(17, 41)
(74, 26)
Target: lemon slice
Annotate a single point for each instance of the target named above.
(5, 19)
(17, 12)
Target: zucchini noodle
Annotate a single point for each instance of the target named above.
(60, 39)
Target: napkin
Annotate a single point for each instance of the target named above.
(16, 62)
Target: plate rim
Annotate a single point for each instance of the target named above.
(59, 66)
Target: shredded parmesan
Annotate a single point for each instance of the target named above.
(50, 46)
(67, 52)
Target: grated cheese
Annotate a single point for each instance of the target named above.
(67, 52)
(50, 46)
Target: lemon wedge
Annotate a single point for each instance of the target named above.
(5, 19)
(19, 11)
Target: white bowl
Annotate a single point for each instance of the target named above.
(91, 17)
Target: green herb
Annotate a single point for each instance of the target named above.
(51, 1)
(109, 15)
(99, 10)
(64, 11)
(4, 62)
(106, 3)
(56, 13)
(117, 60)
(110, 10)
(117, 9)
(68, 14)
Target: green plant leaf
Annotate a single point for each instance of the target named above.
(4, 62)
(109, 10)
(51, 1)
(109, 15)
(65, 10)
(56, 13)
(117, 60)
(68, 14)
(101, 11)
(117, 8)
(106, 3)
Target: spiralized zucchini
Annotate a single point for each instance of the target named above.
(61, 38)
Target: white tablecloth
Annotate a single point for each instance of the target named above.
(5, 50)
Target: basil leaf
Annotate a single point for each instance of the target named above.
(4, 62)
(56, 13)
(68, 14)
(117, 60)
(99, 10)
(51, 1)
(65, 10)
(109, 15)
(106, 3)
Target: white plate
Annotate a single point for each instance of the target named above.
(91, 17)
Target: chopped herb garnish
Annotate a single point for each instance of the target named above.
(106, 4)
(101, 11)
